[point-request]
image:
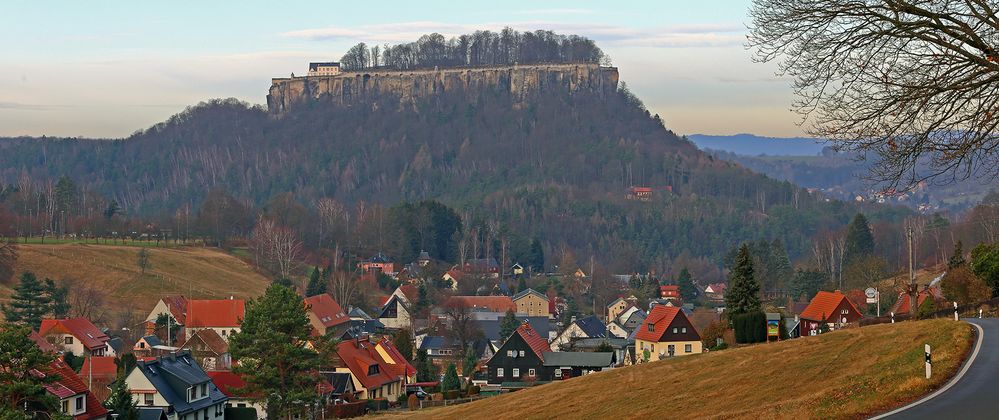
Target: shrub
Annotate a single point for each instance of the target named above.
(412, 402)
(750, 328)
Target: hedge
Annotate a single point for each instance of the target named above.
(750, 328)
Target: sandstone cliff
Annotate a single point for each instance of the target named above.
(523, 82)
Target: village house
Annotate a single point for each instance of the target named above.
(524, 359)
(231, 384)
(173, 306)
(615, 308)
(76, 335)
(482, 303)
(377, 264)
(209, 350)
(670, 292)
(396, 361)
(177, 384)
(327, 68)
(371, 376)
(830, 308)
(487, 267)
(395, 313)
(531, 302)
(489, 323)
(901, 306)
(98, 373)
(631, 319)
(715, 291)
(666, 332)
(75, 399)
(452, 278)
(325, 315)
(222, 315)
(586, 327)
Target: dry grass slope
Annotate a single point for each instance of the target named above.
(844, 374)
(207, 272)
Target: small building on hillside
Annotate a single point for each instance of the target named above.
(715, 291)
(324, 68)
(377, 264)
(487, 267)
(901, 306)
(325, 315)
(76, 335)
(222, 315)
(615, 308)
(174, 306)
(665, 333)
(670, 292)
(830, 308)
(452, 278)
(531, 302)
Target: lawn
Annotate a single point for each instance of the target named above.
(843, 374)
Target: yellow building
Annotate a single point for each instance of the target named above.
(531, 302)
(666, 333)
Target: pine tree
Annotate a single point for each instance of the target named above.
(743, 295)
(58, 306)
(451, 380)
(859, 240)
(782, 269)
(20, 385)
(521, 284)
(316, 284)
(276, 325)
(508, 325)
(29, 304)
(957, 259)
(687, 289)
(120, 402)
(425, 371)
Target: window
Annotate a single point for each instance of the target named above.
(521, 353)
(196, 415)
(206, 413)
(148, 399)
(192, 394)
(223, 333)
(675, 330)
(68, 340)
(683, 330)
(509, 353)
(65, 406)
(653, 349)
(516, 372)
(373, 370)
(142, 344)
(80, 405)
(531, 372)
(204, 390)
(499, 372)
(687, 348)
(671, 349)
(652, 327)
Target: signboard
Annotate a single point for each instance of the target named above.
(872, 295)
(773, 328)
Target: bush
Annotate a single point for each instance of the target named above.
(412, 402)
(750, 328)
(721, 346)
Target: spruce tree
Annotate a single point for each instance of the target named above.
(20, 385)
(957, 259)
(316, 284)
(743, 295)
(276, 325)
(120, 401)
(687, 289)
(30, 302)
(451, 380)
(859, 240)
(508, 325)
(403, 342)
(58, 306)
(536, 256)
(425, 371)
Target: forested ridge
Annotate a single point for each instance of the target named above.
(557, 170)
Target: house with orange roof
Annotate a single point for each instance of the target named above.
(98, 373)
(75, 399)
(372, 377)
(325, 314)
(396, 361)
(829, 308)
(666, 332)
(524, 359)
(231, 384)
(902, 305)
(76, 335)
(222, 315)
(484, 303)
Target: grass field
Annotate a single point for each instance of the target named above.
(191, 271)
(843, 374)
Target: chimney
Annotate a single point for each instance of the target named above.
(231, 297)
(838, 292)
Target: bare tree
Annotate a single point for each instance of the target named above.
(86, 300)
(342, 287)
(331, 212)
(461, 326)
(8, 258)
(911, 84)
(276, 246)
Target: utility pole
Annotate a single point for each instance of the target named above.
(912, 275)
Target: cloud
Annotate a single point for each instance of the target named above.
(674, 36)
(23, 107)
(556, 12)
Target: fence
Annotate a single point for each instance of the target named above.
(988, 307)
(445, 403)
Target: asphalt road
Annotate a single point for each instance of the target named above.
(976, 394)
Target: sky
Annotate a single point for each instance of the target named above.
(110, 68)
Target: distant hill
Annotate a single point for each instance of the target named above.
(753, 145)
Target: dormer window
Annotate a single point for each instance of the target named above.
(652, 327)
(373, 370)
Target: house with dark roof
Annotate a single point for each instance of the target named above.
(586, 327)
(371, 376)
(442, 350)
(209, 350)
(489, 324)
(531, 302)
(177, 384)
(324, 68)
(379, 263)
(341, 384)
(830, 308)
(666, 332)
(325, 314)
(395, 313)
(76, 335)
(524, 359)
(75, 399)
(222, 315)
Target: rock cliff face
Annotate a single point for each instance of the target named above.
(523, 82)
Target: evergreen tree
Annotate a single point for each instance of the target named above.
(743, 295)
(403, 341)
(470, 363)
(687, 289)
(957, 259)
(283, 281)
(422, 298)
(425, 370)
(30, 302)
(451, 380)
(120, 402)
(859, 240)
(521, 284)
(276, 325)
(508, 325)
(316, 284)
(20, 387)
(536, 256)
(58, 306)
(782, 270)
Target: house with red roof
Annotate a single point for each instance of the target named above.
(98, 373)
(453, 277)
(325, 314)
(715, 291)
(396, 361)
(666, 332)
(209, 350)
(525, 359)
(372, 377)
(669, 292)
(483, 303)
(230, 385)
(76, 335)
(830, 308)
(174, 306)
(222, 315)
(75, 399)
(902, 305)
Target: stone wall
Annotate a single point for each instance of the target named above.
(524, 82)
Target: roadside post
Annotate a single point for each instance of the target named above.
(892, 317)
(929, 360)
(955, 311)
(979, 313)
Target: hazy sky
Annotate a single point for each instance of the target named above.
(108, 68)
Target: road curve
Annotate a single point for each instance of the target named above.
(974, 394)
